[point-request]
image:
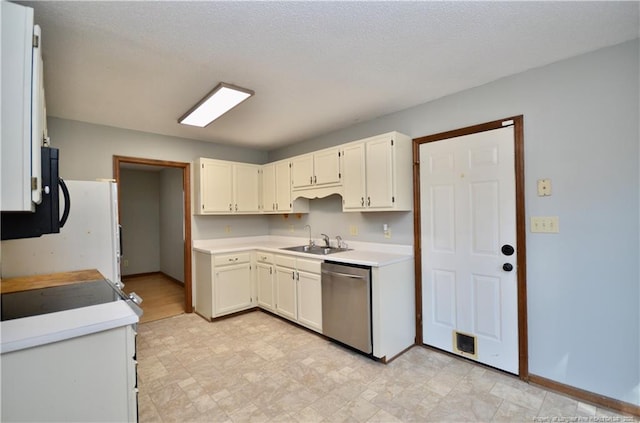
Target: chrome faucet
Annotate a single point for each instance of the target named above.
(310, 241)
(325, 237)
(339, 241)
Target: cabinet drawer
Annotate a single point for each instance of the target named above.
(286, 261)
(311, 266)
(263, 257)
(224, 259)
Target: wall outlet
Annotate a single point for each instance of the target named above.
(545, 224)
(125, 262)
(291, 228)
(387, 233)
(227, 229)
(353, 230)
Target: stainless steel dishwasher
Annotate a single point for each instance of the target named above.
(346, 304)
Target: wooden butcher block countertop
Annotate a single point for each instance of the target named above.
(26, 283)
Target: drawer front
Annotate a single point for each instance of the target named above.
(307, 265)
(286, 261)
(224, 259)
(264, 257)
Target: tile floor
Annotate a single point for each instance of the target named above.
(258, 368)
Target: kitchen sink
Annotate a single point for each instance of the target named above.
(316, 249)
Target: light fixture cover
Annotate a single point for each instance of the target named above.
(219, 101)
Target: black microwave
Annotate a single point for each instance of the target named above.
(46, 218)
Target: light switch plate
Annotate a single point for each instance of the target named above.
(545, 224)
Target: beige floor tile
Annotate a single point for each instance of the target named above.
(258, 368)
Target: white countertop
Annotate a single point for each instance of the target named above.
(363, 253)
(27, 332)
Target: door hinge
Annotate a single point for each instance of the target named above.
(339, 175)
(203, 207)
(36, 41)
(202, 165)
(271, 271)
(34, 183)
(393, 199)
(289, 165)
(338, 154)
(391, 142)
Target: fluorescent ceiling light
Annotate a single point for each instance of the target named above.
(223, 98)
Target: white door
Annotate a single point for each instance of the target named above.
(468, 217)
(286, 293)
(232, 288)
(264, 275)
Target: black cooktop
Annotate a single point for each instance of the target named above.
(58, 298)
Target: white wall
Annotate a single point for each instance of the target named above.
(171, 223)
(140, 220)
(581, 130)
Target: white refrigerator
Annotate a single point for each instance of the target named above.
(89, 240)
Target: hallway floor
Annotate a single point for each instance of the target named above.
(161, 296)
(257, 368)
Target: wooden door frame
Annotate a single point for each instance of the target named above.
(186, 188)
(518, 122)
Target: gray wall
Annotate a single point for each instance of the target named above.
(87, 152)
(582, 132)
(140, 220)
(171, 223)
(325, 216)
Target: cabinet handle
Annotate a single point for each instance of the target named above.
(311, 179)
(293, 275)
(276, 206)
(368, 201)
(236, 207)
(230, 208)
(273, 206)
(362, 201)
(233, 259)
(315, 179)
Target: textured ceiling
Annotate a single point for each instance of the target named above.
(315, 66)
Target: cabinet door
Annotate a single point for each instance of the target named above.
(326, 167)
(379, 171)
(353, 181)
(309, 296)
(269, 188)
(216, 186)
(232, 289)
(283, 186)
(204, 283)
(246, 183)
(17, 40)
(264, 273)
(286, 292)
(302, 171)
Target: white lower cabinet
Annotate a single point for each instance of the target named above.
(265, 280)
(309, 298)
(298, 292)
(83, 379)
(223, 283)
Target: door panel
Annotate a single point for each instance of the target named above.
(467, 206)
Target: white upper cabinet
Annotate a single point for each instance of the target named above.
(246, 188)
(316, 170)
(276, 190)
(224, 187)
(378, 174)
(354, 181)
(23, 120)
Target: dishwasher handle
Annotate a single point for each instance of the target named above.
(346, 275)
